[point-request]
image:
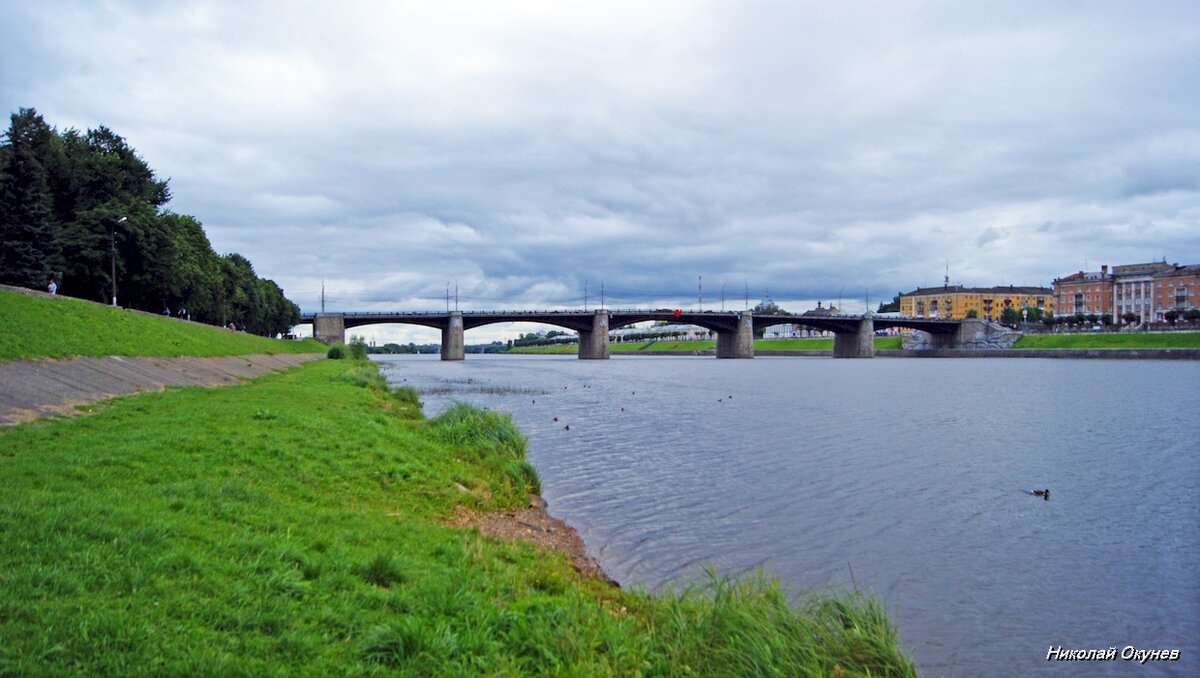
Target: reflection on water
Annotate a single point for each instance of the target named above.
(913, 476)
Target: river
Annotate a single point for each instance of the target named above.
(905, 478)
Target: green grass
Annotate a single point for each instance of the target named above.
(760, 346)
(36, 327)
(297, 525)
(1107, 340)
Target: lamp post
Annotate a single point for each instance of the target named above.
(113, 242)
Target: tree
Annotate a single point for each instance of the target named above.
(972, 314)
(768, 307)
(894, 306)
(1106, 319)
(28, 238)
(81, 204)
(1171, 316)
(1192, 315)
(1010, 316)
(1129, 317)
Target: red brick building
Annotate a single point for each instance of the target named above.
(1147, 290)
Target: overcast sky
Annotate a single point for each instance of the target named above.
(525, 150)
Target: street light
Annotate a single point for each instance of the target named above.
(113, 241)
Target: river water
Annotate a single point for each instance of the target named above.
(907, 478)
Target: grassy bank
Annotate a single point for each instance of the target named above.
(35, 327)
(760, 346)
(298, 525)
(1106, 340)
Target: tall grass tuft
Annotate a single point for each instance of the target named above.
(748, 627)
(364, 376)
(491, 439)
(407, 395)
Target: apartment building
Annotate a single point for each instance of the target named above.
(955, 302)
(1148, 290)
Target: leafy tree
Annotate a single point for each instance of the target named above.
(28, 238)
(1106, 319)
(1171, 316)
(972, 314)
(1192, 315)
(894, 306)
(768, 307)
(1129, 317)
(1010, 316)
(80, 204)
(1048, 318)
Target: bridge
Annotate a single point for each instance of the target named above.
(853, 335)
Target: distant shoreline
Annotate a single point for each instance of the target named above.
(1058, 353)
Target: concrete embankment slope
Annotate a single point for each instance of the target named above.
(39, 388)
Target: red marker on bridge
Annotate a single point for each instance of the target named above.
(677, 313)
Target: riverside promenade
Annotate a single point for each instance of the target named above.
(42, 388)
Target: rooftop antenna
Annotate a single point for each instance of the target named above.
(322, 296)
(947, 278)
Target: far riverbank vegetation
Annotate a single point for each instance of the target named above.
(760, 346)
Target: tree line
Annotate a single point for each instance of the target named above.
(75, 204)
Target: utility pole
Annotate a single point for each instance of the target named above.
(722, 297)
(700, 295)
(602, 294)
(447, 296)
(113, 243)
(585, 295)
(322, 297)
(747, 295)
(456, 297)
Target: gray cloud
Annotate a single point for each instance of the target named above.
(528, 150)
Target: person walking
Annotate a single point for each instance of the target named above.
(52, 288)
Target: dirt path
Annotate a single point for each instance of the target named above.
(535, 525)
(39, 388)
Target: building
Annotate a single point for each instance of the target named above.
(1148, 291)
(797, 331)
(1084, 293)
(955, 302)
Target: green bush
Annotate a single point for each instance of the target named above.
(358, 348)
(336, 352)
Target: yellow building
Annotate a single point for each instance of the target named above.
(955, 302)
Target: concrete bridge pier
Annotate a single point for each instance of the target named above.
(969, 331)
(453, 347)
(593, 343)
(857, 344)
(739, 342)
(330, 328)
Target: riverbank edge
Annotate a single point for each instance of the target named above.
(761, 598)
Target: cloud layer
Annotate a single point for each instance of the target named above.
(525, 150)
